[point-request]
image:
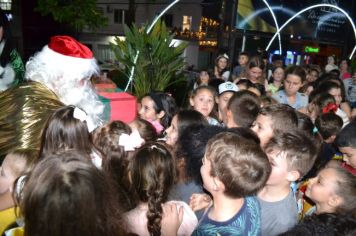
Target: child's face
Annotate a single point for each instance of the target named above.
(203, 102)
(312, 76)
(263, 128)
(147, 111)
(204, 77)
(222, 101)
(243, 59)
(349, 155)
(279, 166)
(172, 132)
(254, 74)
(336, 93)
(322, 187)
(292, 84)
(278, 74)
(222, 63)
(7, 176)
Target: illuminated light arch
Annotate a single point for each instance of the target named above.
(277, 27)
(132, 71)
(260, 11)
(307, 9)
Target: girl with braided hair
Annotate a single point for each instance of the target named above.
(152, 173)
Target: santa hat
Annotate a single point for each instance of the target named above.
(68, 46)
(64, 57)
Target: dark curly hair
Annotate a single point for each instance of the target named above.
(191, 146)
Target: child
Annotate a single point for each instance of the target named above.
(158, 108)
(202, 79)
(242, 109)
(180, 121)
(152, 173)
(272, 119)
(226, 90)
(313, 75)
(233, 169)
(254, 70)
(221, 67)
(145, 128)
(333, 191)
(117, 142)
(346, 142)
(240, 69)
(328, 126)
(291, 155)
(333, 88)
(15, 164)
(203, 100)
(68, 128)
(66, 194)
(276, 80)
(295, 77)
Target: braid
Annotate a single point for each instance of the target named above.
(154, 213)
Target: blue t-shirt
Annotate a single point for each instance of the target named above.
(300, 101)
(246, 222)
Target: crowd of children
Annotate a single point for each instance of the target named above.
(248, 155)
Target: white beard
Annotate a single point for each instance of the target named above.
(82, 96)
(7, 76)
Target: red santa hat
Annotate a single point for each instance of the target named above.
(64, 57)
(68, 46)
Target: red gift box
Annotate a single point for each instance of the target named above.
(123, 106)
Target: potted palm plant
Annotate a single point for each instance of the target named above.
(159, 63)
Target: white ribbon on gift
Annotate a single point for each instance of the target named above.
(132, 141)
(82, 116)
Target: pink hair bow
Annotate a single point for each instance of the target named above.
(132, 141)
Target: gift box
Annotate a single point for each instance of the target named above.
(105, 88)
(122, 106)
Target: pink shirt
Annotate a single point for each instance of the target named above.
(137, 220)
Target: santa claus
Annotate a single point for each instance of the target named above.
(57, 75)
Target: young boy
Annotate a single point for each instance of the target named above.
(328, 125)
(226, 91)
(233, 169)
(291, 155)
(273, 119)
(241, 68)
(242, 109)
(346, 142)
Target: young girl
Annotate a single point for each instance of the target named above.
(202, 79)
(254, 71)
(203, 100)
(276, 80)
(158, 108)
(15, 164)
(333, 190)
(319, 104)
(334, 88)
(152, 173)
(295, 77)
(117, 142)
(145, 128)
(181, 121)
(68, 128)
(66, 195)
(221, 67)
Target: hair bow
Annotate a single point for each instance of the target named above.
(330, 107)
(82, 116)
(132, 141)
